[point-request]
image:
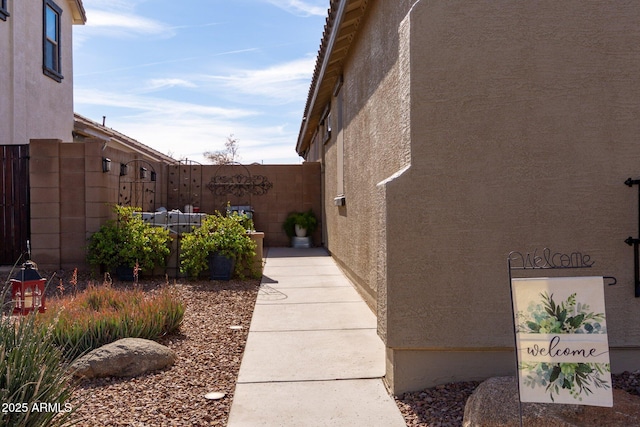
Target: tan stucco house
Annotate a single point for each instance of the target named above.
(452, 133)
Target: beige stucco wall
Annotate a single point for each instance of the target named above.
(32, 105)
(473, 129)
(5, 83)
(524, 124)
(375, 146)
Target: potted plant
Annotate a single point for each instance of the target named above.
(127, 242)
(300, 224)
(221, 243)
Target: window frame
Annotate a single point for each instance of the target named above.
(4, 11)
(325, 123)
(52, 70)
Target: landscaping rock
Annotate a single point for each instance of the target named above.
(128, 357)
(495, 404)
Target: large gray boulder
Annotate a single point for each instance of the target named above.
(495, 404)
(128, 357)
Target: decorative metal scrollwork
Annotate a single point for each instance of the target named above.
(137, 185)
(239, 185)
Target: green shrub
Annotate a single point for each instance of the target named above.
(129, 240)
(225, 235)
(32, 372)
(101, 315)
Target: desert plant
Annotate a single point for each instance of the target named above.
(104, 314)
(306, 220)
(32, 373)
(129, 241)
(225, 235)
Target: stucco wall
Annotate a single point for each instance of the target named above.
(375, 145)
(32, 105)
(5, 83)
(524, 124)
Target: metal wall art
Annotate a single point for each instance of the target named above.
(137, 187)
(185, 185)
(239, 185)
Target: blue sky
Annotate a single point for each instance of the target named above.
(183, 76)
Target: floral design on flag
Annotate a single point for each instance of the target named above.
(546, 316)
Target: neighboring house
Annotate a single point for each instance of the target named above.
(54, 189)
(37, 69)
(452, 133)
(36, 100)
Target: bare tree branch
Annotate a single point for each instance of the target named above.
(227, 156)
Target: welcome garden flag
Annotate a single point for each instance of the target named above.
(561, 340)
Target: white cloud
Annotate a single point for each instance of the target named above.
(284, 82)
(124, 24)
(119, 70)
(303, 8)
(187, 130)
(148, 106)
(159, 84)
(111, 4)
(191, 138)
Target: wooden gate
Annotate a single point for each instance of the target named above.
(14, 202)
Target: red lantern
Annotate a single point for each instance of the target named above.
(27, 290)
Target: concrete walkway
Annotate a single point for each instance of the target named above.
(313, 357)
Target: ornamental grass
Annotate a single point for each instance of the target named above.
(34, 390)
(102, 314)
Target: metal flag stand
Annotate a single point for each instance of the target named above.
(546, 260)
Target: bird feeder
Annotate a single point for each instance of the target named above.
(27, 290)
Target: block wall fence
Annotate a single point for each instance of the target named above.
(71, 196)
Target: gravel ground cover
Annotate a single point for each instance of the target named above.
(443, 406)
(209, 347)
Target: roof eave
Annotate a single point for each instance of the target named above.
(79, 16)
(339, 33)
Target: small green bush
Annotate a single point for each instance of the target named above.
(32, 372)
(129, 240)
(226, 235)
(101, 315)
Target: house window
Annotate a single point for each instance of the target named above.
(51, 41)
(4, 12)
(325, 122)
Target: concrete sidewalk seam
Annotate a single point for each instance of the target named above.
(310, 381)
(271, 331)
(306, 303)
